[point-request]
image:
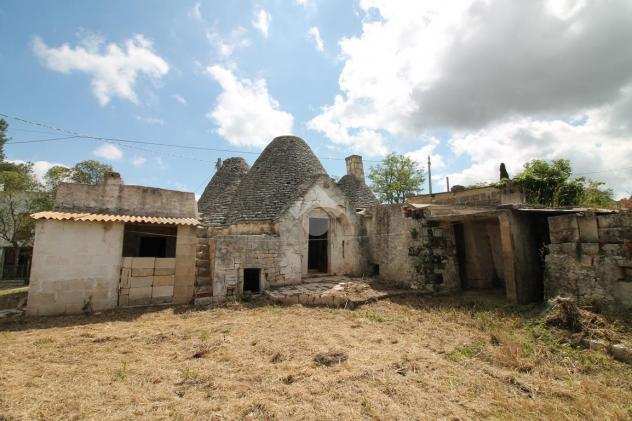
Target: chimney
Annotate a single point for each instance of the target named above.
(355, 167)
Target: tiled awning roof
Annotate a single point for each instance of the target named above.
(100, 217)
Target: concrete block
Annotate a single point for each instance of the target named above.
(162, 291)
(588, 231)
(143, 262)
(141, 282)
(164, 280)
(182, 295)
(165, 263)
(138, 293)
(184, 280)
(164, 271)
(142, 272)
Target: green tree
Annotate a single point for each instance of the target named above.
(85, 172)
(3, 137)
(597, 195)
(396, 178)
(551, 184)
(20, 196)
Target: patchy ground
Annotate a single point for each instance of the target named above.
(467, 357)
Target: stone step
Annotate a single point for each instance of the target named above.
(203, 281)
(204, 291)
(202, 263)
(203, 301)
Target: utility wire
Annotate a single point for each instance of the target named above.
(112, 139)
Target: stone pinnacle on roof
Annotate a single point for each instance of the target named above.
(216, 200)
(284, 171)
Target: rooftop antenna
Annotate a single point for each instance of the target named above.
(429, 177)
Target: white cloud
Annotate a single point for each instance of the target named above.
(262, 21)
(151, 120)
(139, 161)
(304, 3)
(108, 151)
(114, 70)
(420, 156)
(227, 45)
(39, 167)
(480, 70)
(314, 34)
(245, 113)
(195, 12)
(179, 98)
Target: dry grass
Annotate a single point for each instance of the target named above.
(466, 357)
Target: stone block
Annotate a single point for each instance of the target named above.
(123, 300)
(162, 291)
(563, 248)
(182, 295)
(165, 263)
(588, 231)
(126, 262)
(164, 280)
(136, 272)
(164, 271)
(590, 249)
(143, 262)
(609, 221)
(141, 282)
(611, 235)
(613, 249)
(563, 229)
(139, 293)
(125, 275)
(184, 280)
(142, 301)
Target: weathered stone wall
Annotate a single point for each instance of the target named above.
(115, 197)
(590, 259)
(234, 253)
(480, 196)
(74, 263)
(413, 253)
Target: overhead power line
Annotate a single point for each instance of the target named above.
(132, 141)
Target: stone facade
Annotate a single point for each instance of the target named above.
(590, 259)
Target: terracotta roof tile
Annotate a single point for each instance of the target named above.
(100, 217)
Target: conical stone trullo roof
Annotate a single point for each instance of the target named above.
(359, 194)
(218, 195)
(284, 171)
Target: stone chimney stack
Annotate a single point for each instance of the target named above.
(355, 167)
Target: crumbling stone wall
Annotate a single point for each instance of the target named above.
(590, 259)
(233, 253)
(411, 252)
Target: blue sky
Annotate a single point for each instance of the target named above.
(464, 83)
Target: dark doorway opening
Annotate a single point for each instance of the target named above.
(252, 278)
(148, 240)
(317, 245)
